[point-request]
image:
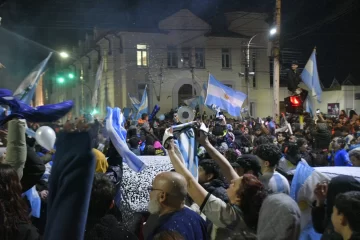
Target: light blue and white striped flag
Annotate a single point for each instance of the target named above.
(187, 146)
(134, 101)
(117, 133)
(302, 191)
(224, 97)
(25, 92)
(143, 107)
(310, 77)
(95, 97)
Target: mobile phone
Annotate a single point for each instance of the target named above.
(318, 111)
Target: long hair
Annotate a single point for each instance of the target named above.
(252, 194)
(13, 209)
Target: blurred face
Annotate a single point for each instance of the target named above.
(292, 139)
(258, 132)
(246, 131)
(233, 190)
(337, 220)
(203, 177)
(294, 66)
(303, 148)
(280, 138)
(154, 205)
(334, 144)
(355, 161)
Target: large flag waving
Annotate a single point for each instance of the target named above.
(25, 92)
(224, 97)
(99, 72)
(143, 107)
(134, 101)
(310, 77)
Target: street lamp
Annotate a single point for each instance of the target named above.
(273, 31)
(64, 54)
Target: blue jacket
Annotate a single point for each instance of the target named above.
(70, 186)
(342, 158)
(186, 222)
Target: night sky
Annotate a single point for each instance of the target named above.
(31, 28)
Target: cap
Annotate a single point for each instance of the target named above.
(248, 162)
(294, 62)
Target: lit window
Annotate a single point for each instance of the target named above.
(186, 57)
(142, 55)
(199, 58)
(226, 58)
(172, 58)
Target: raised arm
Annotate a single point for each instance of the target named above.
(225, 167)
(195, 190)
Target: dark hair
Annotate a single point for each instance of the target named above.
(261, 140)
(150, 150)
(102, 195)
(150, 140)
(301, 141)
(293, 153)
(13, 209)
(210, 167)
(231, 155)
(134, 142)
(270, 153)
(252, 194)
(168, 235)
(349, 205)
(144, 115)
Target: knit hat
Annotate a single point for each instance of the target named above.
(101, 162)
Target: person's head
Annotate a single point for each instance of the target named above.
(101, 161)
(338, 143)
(13, 208)
(257, 131)
(143, 134)
(150, 140)
(168, 235)
(150, 150)
(343, 113)
(247, 164)
(281, 137)
(303, 144)
(354, 156)
(231, 154)
(269, 155)
(294, 65)
(102, 196)
(145, 117)
(167, 193)
(293, 153)
(346, 212)
(248, 193)
(208, 170)
(134, 142)
(292, 139)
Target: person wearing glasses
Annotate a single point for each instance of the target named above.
(167, 206)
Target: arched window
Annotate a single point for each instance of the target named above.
(185, 92)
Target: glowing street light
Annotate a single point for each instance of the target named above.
(61, 80)
(273, 31)
(71, 75)
(64, 54)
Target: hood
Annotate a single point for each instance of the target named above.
(282, 211)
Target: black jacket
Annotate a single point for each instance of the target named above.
(217, 188)
(33, 170)
(293, 79)
(27, 232)
(107, 228)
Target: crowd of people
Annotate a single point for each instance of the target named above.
(245, 172)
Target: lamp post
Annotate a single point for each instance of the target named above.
(247, 70)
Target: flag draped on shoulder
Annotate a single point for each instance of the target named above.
(25, 92)
(144, 105)
(117, 133)
(95, 97)
(224, 97)
(310, 77)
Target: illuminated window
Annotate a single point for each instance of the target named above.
(186, 57)
(142, 55)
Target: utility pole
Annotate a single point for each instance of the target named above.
(276, 54)
(193, 60)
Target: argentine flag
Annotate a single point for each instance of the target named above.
(143, 107)
(224, 97)
(134, 101)
(310, 77)
(25, 92)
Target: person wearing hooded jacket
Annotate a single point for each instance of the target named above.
(325, 199)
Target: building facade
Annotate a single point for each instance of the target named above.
(173, 61)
